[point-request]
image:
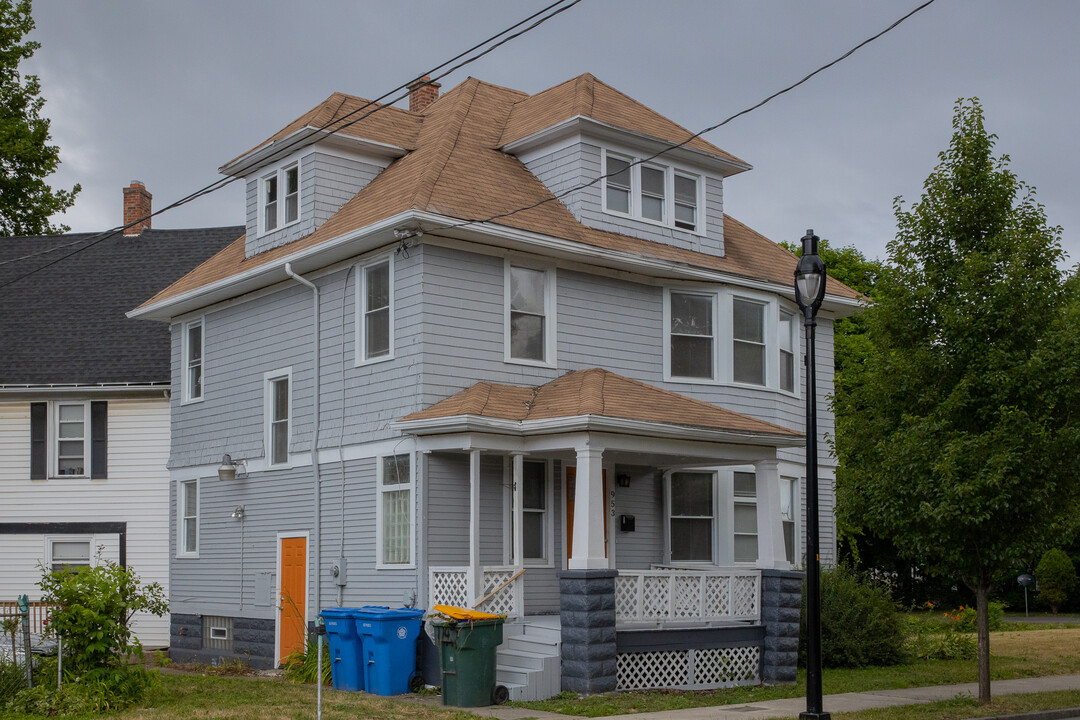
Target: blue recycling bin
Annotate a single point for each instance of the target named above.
(345, 648)
(389, 639)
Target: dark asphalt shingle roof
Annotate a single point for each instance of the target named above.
(66, 324)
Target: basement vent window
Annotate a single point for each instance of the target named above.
(217, 632)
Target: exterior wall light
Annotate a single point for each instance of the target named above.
(228, 470)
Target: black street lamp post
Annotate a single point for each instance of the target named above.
(809, 292)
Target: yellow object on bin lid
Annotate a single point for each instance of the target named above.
(458, 613)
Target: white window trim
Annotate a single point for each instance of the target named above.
(360, 349)
(268, 414)
(550, 311)
(380, 488)
(260, 196)
(180, 552)
(716, 518)
(742, 500)
(718, 332)
(669, 191)
(54, 439)
(224, 632)
(549, 520)
(50, 539)
(723, 338)
(185, 384)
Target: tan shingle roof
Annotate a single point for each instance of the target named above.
(457, 170)
(389, 125)
(588, 97)
(594, 392)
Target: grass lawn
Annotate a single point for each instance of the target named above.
(968, 708)
(197, 697)
(1015, 654)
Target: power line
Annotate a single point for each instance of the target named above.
(303, 141)
(698, 134)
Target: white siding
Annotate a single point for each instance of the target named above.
(135, 492)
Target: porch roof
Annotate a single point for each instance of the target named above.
(590, 399)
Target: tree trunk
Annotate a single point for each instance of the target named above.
(982, 614)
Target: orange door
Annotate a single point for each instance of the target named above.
(571, 488)
(292, 595)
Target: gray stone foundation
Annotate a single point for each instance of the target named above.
(252, 642)
(587, 614)
(781, 607)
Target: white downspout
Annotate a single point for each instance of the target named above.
(316, 410)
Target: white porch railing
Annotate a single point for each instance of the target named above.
(674, 595)
(450, 586)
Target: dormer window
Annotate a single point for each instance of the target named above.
(652, 192)
(280, 194)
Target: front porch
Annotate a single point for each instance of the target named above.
(659, 543)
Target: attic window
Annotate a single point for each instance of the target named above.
(657, 194)
(279, 194)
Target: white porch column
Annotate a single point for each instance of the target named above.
(588, 550)
(517, 508)
(476, 572)
(770, 526)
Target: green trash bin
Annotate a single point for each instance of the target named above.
(467, 661)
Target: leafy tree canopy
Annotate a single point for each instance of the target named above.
(26, 158)
(955, 434)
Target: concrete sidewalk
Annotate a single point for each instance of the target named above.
(791, 707)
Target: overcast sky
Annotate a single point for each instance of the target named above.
(165, 92)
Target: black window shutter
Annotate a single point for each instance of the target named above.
(99, 439)
(39, 440)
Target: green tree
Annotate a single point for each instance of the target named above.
(26, 157)
(954, 436)
(1056, 576)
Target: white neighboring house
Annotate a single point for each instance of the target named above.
(84, 406)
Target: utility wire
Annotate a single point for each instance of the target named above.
(310, 138)
(696, 135)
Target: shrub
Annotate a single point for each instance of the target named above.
(1056, 576)
(99, 690)
(860, 625)
(94, 607)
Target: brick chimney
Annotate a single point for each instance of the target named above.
(136, 206)
(422, 93)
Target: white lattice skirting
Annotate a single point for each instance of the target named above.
(696, 669)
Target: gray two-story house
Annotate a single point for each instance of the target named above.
(448, 364)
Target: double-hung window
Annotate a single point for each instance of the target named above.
(788, 343)
(278, 416)
(280, 197)
(193, 360)
(375, 311)
(72, 436)
(789, 513)
(649, 191)
(686, 201)
(69, 438)
(745, 545)
(748, 351)
(530, 316)
(692, 335)
(188, 512)
(691, 516)
(534, 511)
(395, 537)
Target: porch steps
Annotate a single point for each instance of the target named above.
(529, 661)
